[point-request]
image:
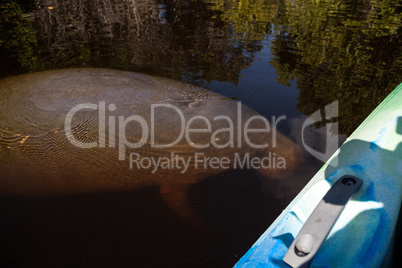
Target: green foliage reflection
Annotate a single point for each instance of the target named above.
(335, 49)
(345, 50)
(17, 36)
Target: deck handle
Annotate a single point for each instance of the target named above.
(317, 227)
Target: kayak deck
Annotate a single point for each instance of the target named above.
(363, 233)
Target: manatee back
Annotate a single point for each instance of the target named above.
(37, 157)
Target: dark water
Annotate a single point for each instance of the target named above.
(278, 57)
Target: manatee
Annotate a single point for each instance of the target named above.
(86, 130)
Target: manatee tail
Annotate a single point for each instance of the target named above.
(175, 196)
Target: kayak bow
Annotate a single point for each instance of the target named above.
(363, 233)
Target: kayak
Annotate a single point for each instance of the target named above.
(362, 234)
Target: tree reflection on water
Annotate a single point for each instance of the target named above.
(344, 50)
